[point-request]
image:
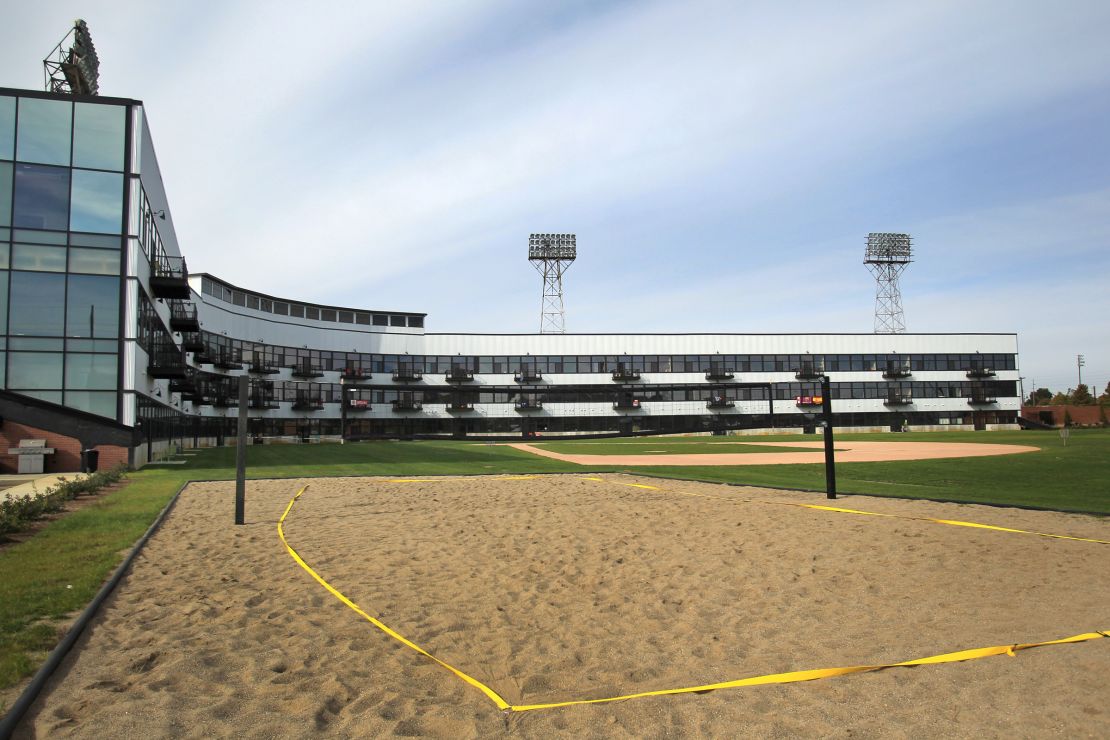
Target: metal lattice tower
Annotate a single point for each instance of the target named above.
(887, 256)
(552, 255)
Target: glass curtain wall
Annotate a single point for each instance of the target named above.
(62, 191)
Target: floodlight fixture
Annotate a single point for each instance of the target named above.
(552, 255)
(887, 255)
(73, 66)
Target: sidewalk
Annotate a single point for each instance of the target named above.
(29, 484)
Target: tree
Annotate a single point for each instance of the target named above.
(1040, 397)
(1082, 396)
(1060, 399)
(1105, 397)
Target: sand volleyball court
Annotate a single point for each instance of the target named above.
(553, 588)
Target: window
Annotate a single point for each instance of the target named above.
(396, 320)
(92, 307)
(35, 370)
(36, 306)
(327, 314)
(5, 192)
(97, 202)
(346, 317)
(95, 402)
(311, 312)
(416, 321)
(111, 242)
(90, 372)
(296, 310)
(381, 320)
(41, 197)
(238, 298)
(7, 128)
(282, 309)
(252, 302)
(43, 134)
(98, 136)
(362, 318)
(35, 257)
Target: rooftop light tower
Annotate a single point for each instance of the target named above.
(552, 255)
(887, 256)
(73, 67)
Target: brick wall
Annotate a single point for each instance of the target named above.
(67, 450)
(1082, 415)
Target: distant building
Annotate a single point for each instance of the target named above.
(110, 343)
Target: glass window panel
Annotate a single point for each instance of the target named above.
(346, 317)
(35, 257)
(33, 343)
(92, 307)
(396, 320)
(90, 372)
(311, 313)
(94, 261)
(43, 134)
(36, 306)
(98, 133)
(296, 310)
(97, 203)
(5, 250)
(39, 237)
(7, 128)
(267, 305)
(327, 315)
(281, 309)
(94, 402)
(35, 369)
(51, 396)
(381, 320)
(41, 197)
(3, 304)
(362, 318)
(416, 321)
(5, 193)
(238, 298)
(104, 242)
(252, 302)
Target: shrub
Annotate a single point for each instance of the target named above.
(17, 512)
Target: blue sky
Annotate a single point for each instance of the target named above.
(721, 162)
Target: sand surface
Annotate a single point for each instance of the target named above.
(560, 587)
(845, 452)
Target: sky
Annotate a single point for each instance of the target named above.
(721, 163)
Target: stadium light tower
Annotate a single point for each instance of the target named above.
(887, 256)
(73, 66)
(552, 255)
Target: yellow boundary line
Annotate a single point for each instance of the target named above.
(774, 678)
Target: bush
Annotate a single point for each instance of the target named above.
(19, 511)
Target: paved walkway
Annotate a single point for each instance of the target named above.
(29, 484)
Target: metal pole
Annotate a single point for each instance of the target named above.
(241, 453)
(826, 415)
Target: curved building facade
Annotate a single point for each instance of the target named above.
(106, 332)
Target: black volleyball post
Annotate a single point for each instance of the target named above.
(241, 453)
(827, 418)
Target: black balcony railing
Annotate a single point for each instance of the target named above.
(358, 404)
(719, 373)
(167, 361)
(528, 404)
(981, 399)
(192, 342)
(169, 277)
(225, 400)
(460, 406)
(227, 359)
(623, 374)
(808, 401)
(808, 372)
(719, 402)
(979, 371)
(263, 401)
(896, 371)
(307, 370)
(407, 374)
(459, 375)
(354, 373)
(527, 375)
(407, 404)
(263, 367)
(627, 404)
(182, 385)
(183, 316)
(307, 402)
(898, 399)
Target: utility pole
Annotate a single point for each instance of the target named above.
(1079, 363)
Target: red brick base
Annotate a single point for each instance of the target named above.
(67, 450)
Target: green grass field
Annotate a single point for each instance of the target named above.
(56, 572)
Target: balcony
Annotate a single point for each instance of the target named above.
(627, 404)
(809, 372)
(262, 367)
(182, 385)
(355, 373)
(358, 404)
(196, 398)
(308, 403)
(192, 342)
(183, 316)
(719, 402)
(528, 404)
(527, 375)
(809, 401)
(719, 373)
(407, 374)
(622, 374)
(980, 372)
(169, 278)
(898, 399)
(981, 399)
(458, 375)
(896, 371)
(306, 370)
(263, 401)
(460, 406)
(407, 404)
(227, 359)
(167, 361)
(225, 401)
